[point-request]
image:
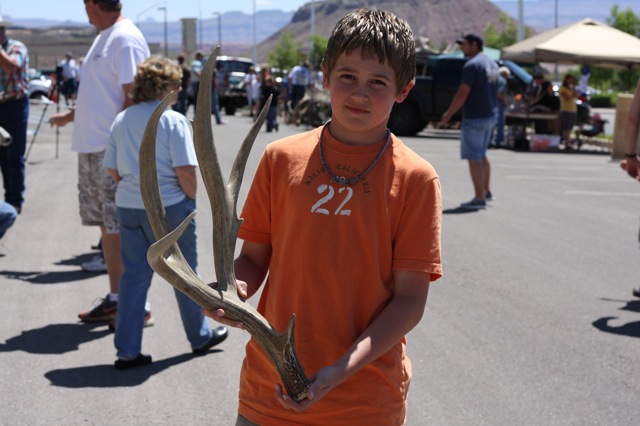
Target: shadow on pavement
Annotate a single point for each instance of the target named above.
(52, 277)
(55, 277)
(77, 260)
(105, 376)
(55, 339)
(458, 210)
(631, 329)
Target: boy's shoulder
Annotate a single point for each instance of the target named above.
(409, 161)
(304, 139)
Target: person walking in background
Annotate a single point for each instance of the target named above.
(69, 77)
(299, 79)
(568, 109)
(498, 139)
(107, 78)
(270, 88)
(382, 212)
(176, 162)
(183, 97)
(215, 97)
(478, 98)
(14, 115)
(249, 79)
(196, 70)
(631, 133)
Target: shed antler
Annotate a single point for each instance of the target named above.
(166, 259)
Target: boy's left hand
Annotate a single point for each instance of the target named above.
(321, 383)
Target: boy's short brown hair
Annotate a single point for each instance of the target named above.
(380, 35)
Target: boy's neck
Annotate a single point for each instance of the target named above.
(350, 137)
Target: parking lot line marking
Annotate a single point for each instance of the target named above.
(604, 193)
(567, 178)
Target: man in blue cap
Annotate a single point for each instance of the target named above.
(478, 98)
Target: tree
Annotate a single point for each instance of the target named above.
(624, 20)
(286, 54)
(507, 37)
(318, 48)
(629, 22)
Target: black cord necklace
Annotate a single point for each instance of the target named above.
(341, 179)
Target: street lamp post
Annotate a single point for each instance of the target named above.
(166, 43)
(255, 46)
(219, 29)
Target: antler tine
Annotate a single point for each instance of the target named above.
(149, 175)
(219, 198)
(237, 171)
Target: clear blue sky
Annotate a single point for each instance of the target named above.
(142, 9)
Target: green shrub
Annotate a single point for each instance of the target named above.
(601, 101)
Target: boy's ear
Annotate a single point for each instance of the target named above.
(403, 94)
(325, 77)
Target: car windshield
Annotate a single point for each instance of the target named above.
(230, 65)
(522, 74)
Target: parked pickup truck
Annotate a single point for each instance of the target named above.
(437, 81)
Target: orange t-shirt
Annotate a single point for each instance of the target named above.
(334, 250)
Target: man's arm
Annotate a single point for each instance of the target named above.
(458, 101)
(631, 131)
(127, 99)
(7, 62)
(188, 180)
(402, 314)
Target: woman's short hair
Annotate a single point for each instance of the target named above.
(155, 76)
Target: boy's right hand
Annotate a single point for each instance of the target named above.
(219, 314)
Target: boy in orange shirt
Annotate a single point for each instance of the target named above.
(344, 223)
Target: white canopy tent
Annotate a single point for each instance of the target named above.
(584, 42)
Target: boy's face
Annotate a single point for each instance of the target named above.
(363, 92)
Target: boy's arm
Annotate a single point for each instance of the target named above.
(252, 265)
(401, 315)
(251, 268)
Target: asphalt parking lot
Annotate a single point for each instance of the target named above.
(532, 324)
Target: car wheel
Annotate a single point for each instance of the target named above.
(405, 120)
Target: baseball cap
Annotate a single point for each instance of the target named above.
(470, 38)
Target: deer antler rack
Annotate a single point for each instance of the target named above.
(166, 259)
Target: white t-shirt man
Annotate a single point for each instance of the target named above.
(110, 63)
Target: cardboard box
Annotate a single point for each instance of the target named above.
(544, 142)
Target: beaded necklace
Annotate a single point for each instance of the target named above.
(341, 179)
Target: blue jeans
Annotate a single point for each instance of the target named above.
(14, 116)
(183, 103)
(8, 215)
(215, 105)
(272, 117)
(474, 137)
(136, 237)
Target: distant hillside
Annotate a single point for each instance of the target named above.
(442, 21)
